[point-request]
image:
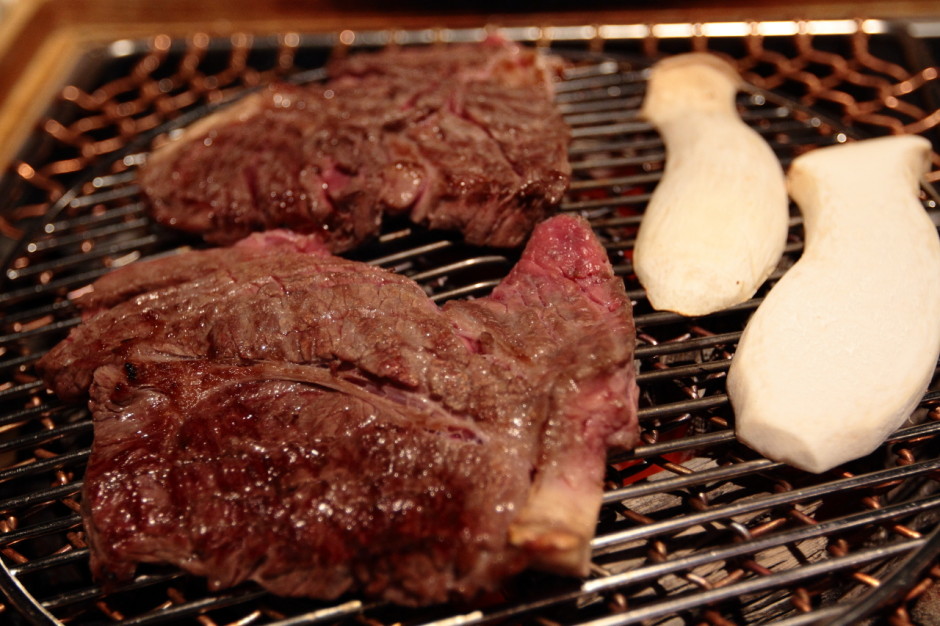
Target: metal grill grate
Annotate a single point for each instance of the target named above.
(695, 527)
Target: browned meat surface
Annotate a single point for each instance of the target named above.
(116, 287)
(319, 426)
(462, 137)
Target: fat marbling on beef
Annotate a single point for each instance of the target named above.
(270, 412)
(462, 137)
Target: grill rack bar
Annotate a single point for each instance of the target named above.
(800, 574)
(614, 539)
(114, 189)
(680, 604)
(84, 595)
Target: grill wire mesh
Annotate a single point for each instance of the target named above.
(695, 528)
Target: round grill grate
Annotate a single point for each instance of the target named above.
(695, 528)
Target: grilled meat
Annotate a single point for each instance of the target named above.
(462, 138)
(318, 425)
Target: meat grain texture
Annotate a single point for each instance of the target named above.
(270, 412)
(464, 138)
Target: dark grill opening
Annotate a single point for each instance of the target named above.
(695, 528)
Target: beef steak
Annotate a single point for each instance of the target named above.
(284, 398)
(462, 137)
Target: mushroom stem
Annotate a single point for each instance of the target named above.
(716, 225)
(845, 344)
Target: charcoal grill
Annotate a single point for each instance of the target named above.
(695, 528)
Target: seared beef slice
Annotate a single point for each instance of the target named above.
(462, 137)
(319, 426)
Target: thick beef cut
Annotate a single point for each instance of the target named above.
(277, 414)
(462, 137)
